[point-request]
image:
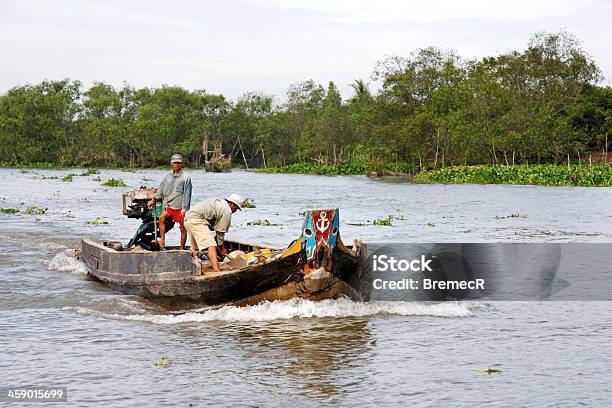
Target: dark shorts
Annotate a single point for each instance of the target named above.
(175, 214)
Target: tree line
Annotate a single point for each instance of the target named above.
(431, 109)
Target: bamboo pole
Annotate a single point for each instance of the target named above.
(263, 155)
(246, 165)
(205, 147)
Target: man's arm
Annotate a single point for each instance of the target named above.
(159, 195)
(160, 191)
(187, 195)
(220, 236)
(222, 225)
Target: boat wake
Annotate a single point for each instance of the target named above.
(300, 309)
(65, 262)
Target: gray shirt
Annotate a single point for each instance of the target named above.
(175, 191)
(216, 213)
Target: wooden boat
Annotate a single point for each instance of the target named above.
(315, 266)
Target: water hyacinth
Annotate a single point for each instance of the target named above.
(596, 175)
(114, 183)
(97, 221)
(9, 210)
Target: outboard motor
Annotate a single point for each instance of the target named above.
(149, 229)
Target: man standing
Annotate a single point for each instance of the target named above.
(175, 193)
(212, 214)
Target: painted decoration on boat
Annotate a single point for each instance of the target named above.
(309, 242)
(320, 233)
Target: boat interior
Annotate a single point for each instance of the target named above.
(240, 255)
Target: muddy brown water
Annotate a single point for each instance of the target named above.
(59, 327)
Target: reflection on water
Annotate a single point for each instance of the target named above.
(60, 327)
(313, 352)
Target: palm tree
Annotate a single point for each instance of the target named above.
(360, 87)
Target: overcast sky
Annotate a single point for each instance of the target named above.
(234, 46)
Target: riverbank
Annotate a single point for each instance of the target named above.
(346, 169)
(596, 175)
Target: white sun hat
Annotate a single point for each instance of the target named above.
(236, 199)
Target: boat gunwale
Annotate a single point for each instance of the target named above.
(100, 245)
(208, 275)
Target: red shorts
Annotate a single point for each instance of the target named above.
(175, 214)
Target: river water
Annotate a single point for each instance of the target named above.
(58, 327)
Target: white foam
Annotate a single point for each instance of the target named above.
(65, 262)
(301, 309)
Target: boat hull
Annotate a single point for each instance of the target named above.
(177, 278)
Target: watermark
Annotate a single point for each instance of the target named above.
(427, 284)
(492, 271)
(382, 263)
(33, 393)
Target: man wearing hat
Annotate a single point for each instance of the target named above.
(212, 214)
(175, 194)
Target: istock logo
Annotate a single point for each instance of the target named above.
(383, 263)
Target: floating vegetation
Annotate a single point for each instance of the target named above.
(9, 211)
(430, 224)
(68, 177)
(28, 211)
(114, 183)
(97, 221)
(248, 203)
(162, 363)
(263, 223)
(90, 172)
(596, 175)
(97, 179)
(514, 215)
(43, 177)
(384, 222)
(34, 211)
